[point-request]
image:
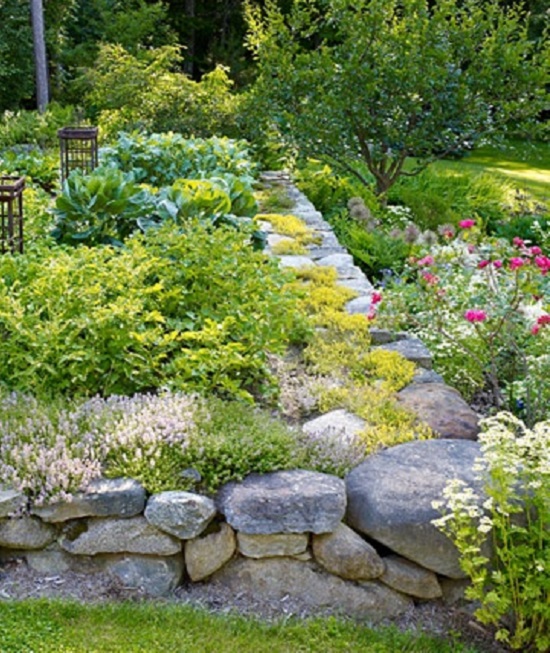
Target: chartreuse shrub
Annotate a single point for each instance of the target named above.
(512, 587)
(144, 91)
(196, 311)
(34, 128)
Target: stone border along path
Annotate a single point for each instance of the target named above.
(436, 403)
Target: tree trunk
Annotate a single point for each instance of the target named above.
(40, 61)
(189, 61)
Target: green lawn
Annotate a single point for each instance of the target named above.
(61, 627)
(526, 165)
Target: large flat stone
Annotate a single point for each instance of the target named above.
(346, 554)
(407, 577)
(273, 579)
(205, 555)
(413, 350)
(390, 498)
(25, 533)
(268, 546)
(133, 535)
(117, 497)
(296, 262)
(183, 514)
(442, 408)
(296, 501)
(361, 285)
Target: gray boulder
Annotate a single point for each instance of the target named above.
(134, 535)
(390, 498)
(275, 579)
(442, 408)
(359, 305)
(413, 349)
(340, 425)
(182, 514)
(346, 554)
(25, 533)
(117, 497)
(10, 502)
(423, 375)
(156, 576)
(295, 501)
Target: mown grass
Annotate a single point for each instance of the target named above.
(66, 627)
(525, 164)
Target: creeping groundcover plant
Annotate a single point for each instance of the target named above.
(512, 583)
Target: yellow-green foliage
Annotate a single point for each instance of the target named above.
(318, 276)
(395, 371)
(289, 246)
(274, 199)
(361, 379)
(289, 225)
(387, 423)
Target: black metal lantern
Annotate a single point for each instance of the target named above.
(11, 214)
(78, 149)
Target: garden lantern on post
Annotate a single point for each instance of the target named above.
(11, 214)
(78, 149)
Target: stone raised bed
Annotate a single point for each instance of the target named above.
(363, 546)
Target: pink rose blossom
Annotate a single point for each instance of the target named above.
(497, 264)
(544, 319)
(475, 315)
(483, 264)
(427, 260)
(535, 250)
(376, 298)
(466, 224)
(535, 329)
(518, 242)
(430, 278)
(516, 263)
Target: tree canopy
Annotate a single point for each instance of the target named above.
(365, 84)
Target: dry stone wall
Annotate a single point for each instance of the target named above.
(363, 546)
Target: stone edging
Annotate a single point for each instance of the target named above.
(436, 403)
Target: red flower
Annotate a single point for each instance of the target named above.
(376, 298)
(483, 264)
(466, 224)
